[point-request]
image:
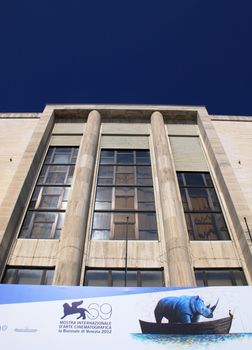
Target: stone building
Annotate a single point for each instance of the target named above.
(114, 195)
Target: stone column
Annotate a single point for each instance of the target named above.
(70, 255)
(175, 231)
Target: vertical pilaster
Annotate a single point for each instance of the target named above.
(175, 232)
(229, 187)
(15, 200)
(68, 269)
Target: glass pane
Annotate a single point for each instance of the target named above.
(35, 196)
(180, 179)
(183, 193)
(42, 230)
(124, 203)
(148, 235)
(101, 221)
(121, 231)
(60, 222)
(207, 226)
(64, 200)
(104, 194)
(218, 278)
(25, 231)
(147, 221)
(208, 180)
(204, 225)
(39, 225)
(199, 199)
(56, 175)
(203, 199)
(107, 157)
(152, 278)
(144, 176)
(143, 157)
(49, 277)
(213, 200)
(131, 278)
(125, 175)
(239, 277)
(49, 154)
(191, 231)
(145, 197)
(125, 157)
(125, 179)
(26, 276)
(102, 205)
(103, 198)
(106, 171)
(194, 179)
(118, 278)
(145, 194)
(60, 155)
(48, 198)
(10, 276)
(57, 178)
(199, 277)
(105, 175)
(125, 169)
(100, 234)
(75, 154)
(124, 198)
(96, 278)
(122, 218)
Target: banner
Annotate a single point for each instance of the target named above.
(73, 318)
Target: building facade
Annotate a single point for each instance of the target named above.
(114, 195)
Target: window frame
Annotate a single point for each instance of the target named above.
(27, 230)
(138, 271)
(231, 272)
(17, 269)
(214, 212)
(112, 164)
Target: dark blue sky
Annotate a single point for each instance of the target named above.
(185, 52)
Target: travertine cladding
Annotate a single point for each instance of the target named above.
(236, 139)
(175, 232)
(17, 195)
(226, 140)
(34, 252)
(111, 254)
(15, 135)
(214, 254)
(228, 187)
(68, 268)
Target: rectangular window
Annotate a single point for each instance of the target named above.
(45, 215)
(220, 277)
(116, 278)
(124, 204)
(28, 276)
(202, 210)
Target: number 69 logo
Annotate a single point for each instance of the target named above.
(104, 311)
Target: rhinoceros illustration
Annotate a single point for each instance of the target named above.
(183, 309)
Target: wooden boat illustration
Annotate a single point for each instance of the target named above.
(220, 326)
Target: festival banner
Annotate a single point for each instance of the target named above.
(39, 317)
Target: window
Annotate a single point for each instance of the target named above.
(45, 216)
(116, 278)
(124, 204)
(220, 277)
(28, 276)
(203, 213)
